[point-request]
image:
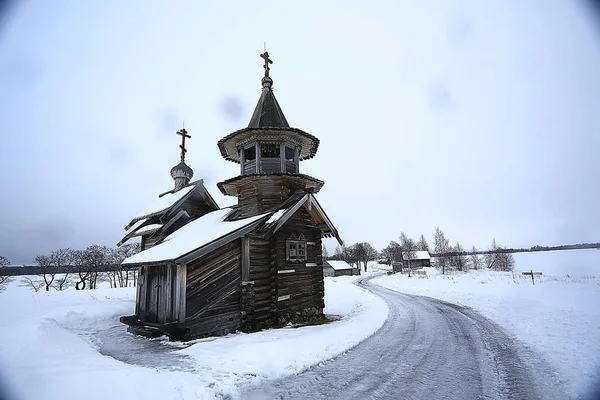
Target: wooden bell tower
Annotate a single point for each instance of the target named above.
(269, 152)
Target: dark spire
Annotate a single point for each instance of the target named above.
(181, 173)
(267, 112)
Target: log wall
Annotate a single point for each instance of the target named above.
(213, 293)
(300, 287)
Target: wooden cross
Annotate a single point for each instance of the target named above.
(183, 133)
(268, 61)
(532, 275)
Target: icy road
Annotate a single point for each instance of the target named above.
(427, 349)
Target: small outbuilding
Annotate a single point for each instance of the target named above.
(337, 268)
(416, 259)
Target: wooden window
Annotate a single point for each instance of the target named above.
(296, 250)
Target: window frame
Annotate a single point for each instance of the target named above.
(300, 245)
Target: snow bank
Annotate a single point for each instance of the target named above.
(559, 317)
(48, 350)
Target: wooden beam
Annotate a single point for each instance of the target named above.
(245, 259)
(180, 292)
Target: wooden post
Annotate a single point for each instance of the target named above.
(245, 259)
(532, 275)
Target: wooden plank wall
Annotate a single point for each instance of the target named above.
(263, 272)
(304, 286)
(213, 292)
(155, 301)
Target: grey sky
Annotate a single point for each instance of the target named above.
(480, 118)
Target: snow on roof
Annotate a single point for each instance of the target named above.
(418, 255)
(275, 217)
(136, 225)
(338, 265)
(192, 236)
(148, 228)
(163, 203)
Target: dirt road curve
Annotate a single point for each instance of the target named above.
(427, 349)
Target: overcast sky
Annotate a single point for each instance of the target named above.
(482, 119)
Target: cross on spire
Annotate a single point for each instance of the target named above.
(183, 133)
(268, 61)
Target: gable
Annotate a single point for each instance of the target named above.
(171, 211)
(312, 211)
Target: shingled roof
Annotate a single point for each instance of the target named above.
(268, 113)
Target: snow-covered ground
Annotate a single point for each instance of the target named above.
(67, 345)
(559, 317)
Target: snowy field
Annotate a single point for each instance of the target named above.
(70, 345)
(559, 317)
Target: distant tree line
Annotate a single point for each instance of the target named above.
(83, 269)
(445, 256)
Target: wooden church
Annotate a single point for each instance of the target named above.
(205, 270)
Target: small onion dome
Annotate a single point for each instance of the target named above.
(181, 170)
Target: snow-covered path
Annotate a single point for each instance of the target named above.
(427, 349)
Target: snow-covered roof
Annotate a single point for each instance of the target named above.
(275, 217)
(418, 255)
(148, 228)
(338, 265)
(164, 202)
(192, 236)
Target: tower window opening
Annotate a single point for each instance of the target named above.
(250, 153)
(289, 153)
(269, 150)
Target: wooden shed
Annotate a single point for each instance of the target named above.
(416, 259)
(251, 266)
(337, 268)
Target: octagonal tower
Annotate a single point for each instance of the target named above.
(269, 152)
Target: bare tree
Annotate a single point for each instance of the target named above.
(422, 244)
(94, 259)
(365, 252)
(67, 258)
(409, 248)
(325, 252)
(459, 261)
(81, 269)
(350, 254)
(491, 260)
(393, 252)
(441, 246)
(35, 284)
(126, 251)
(4, 279)
(47, 270)
(474, 260)
(506, 262)
(338, 254)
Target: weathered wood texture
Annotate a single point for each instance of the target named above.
(413, 264)
(263, 272)
(213, 292)
(156, 300)
(304, 286)
(258, 194)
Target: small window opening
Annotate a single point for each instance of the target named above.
(250, 153)
(296, 250)
(289, 153)
(269, 150)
